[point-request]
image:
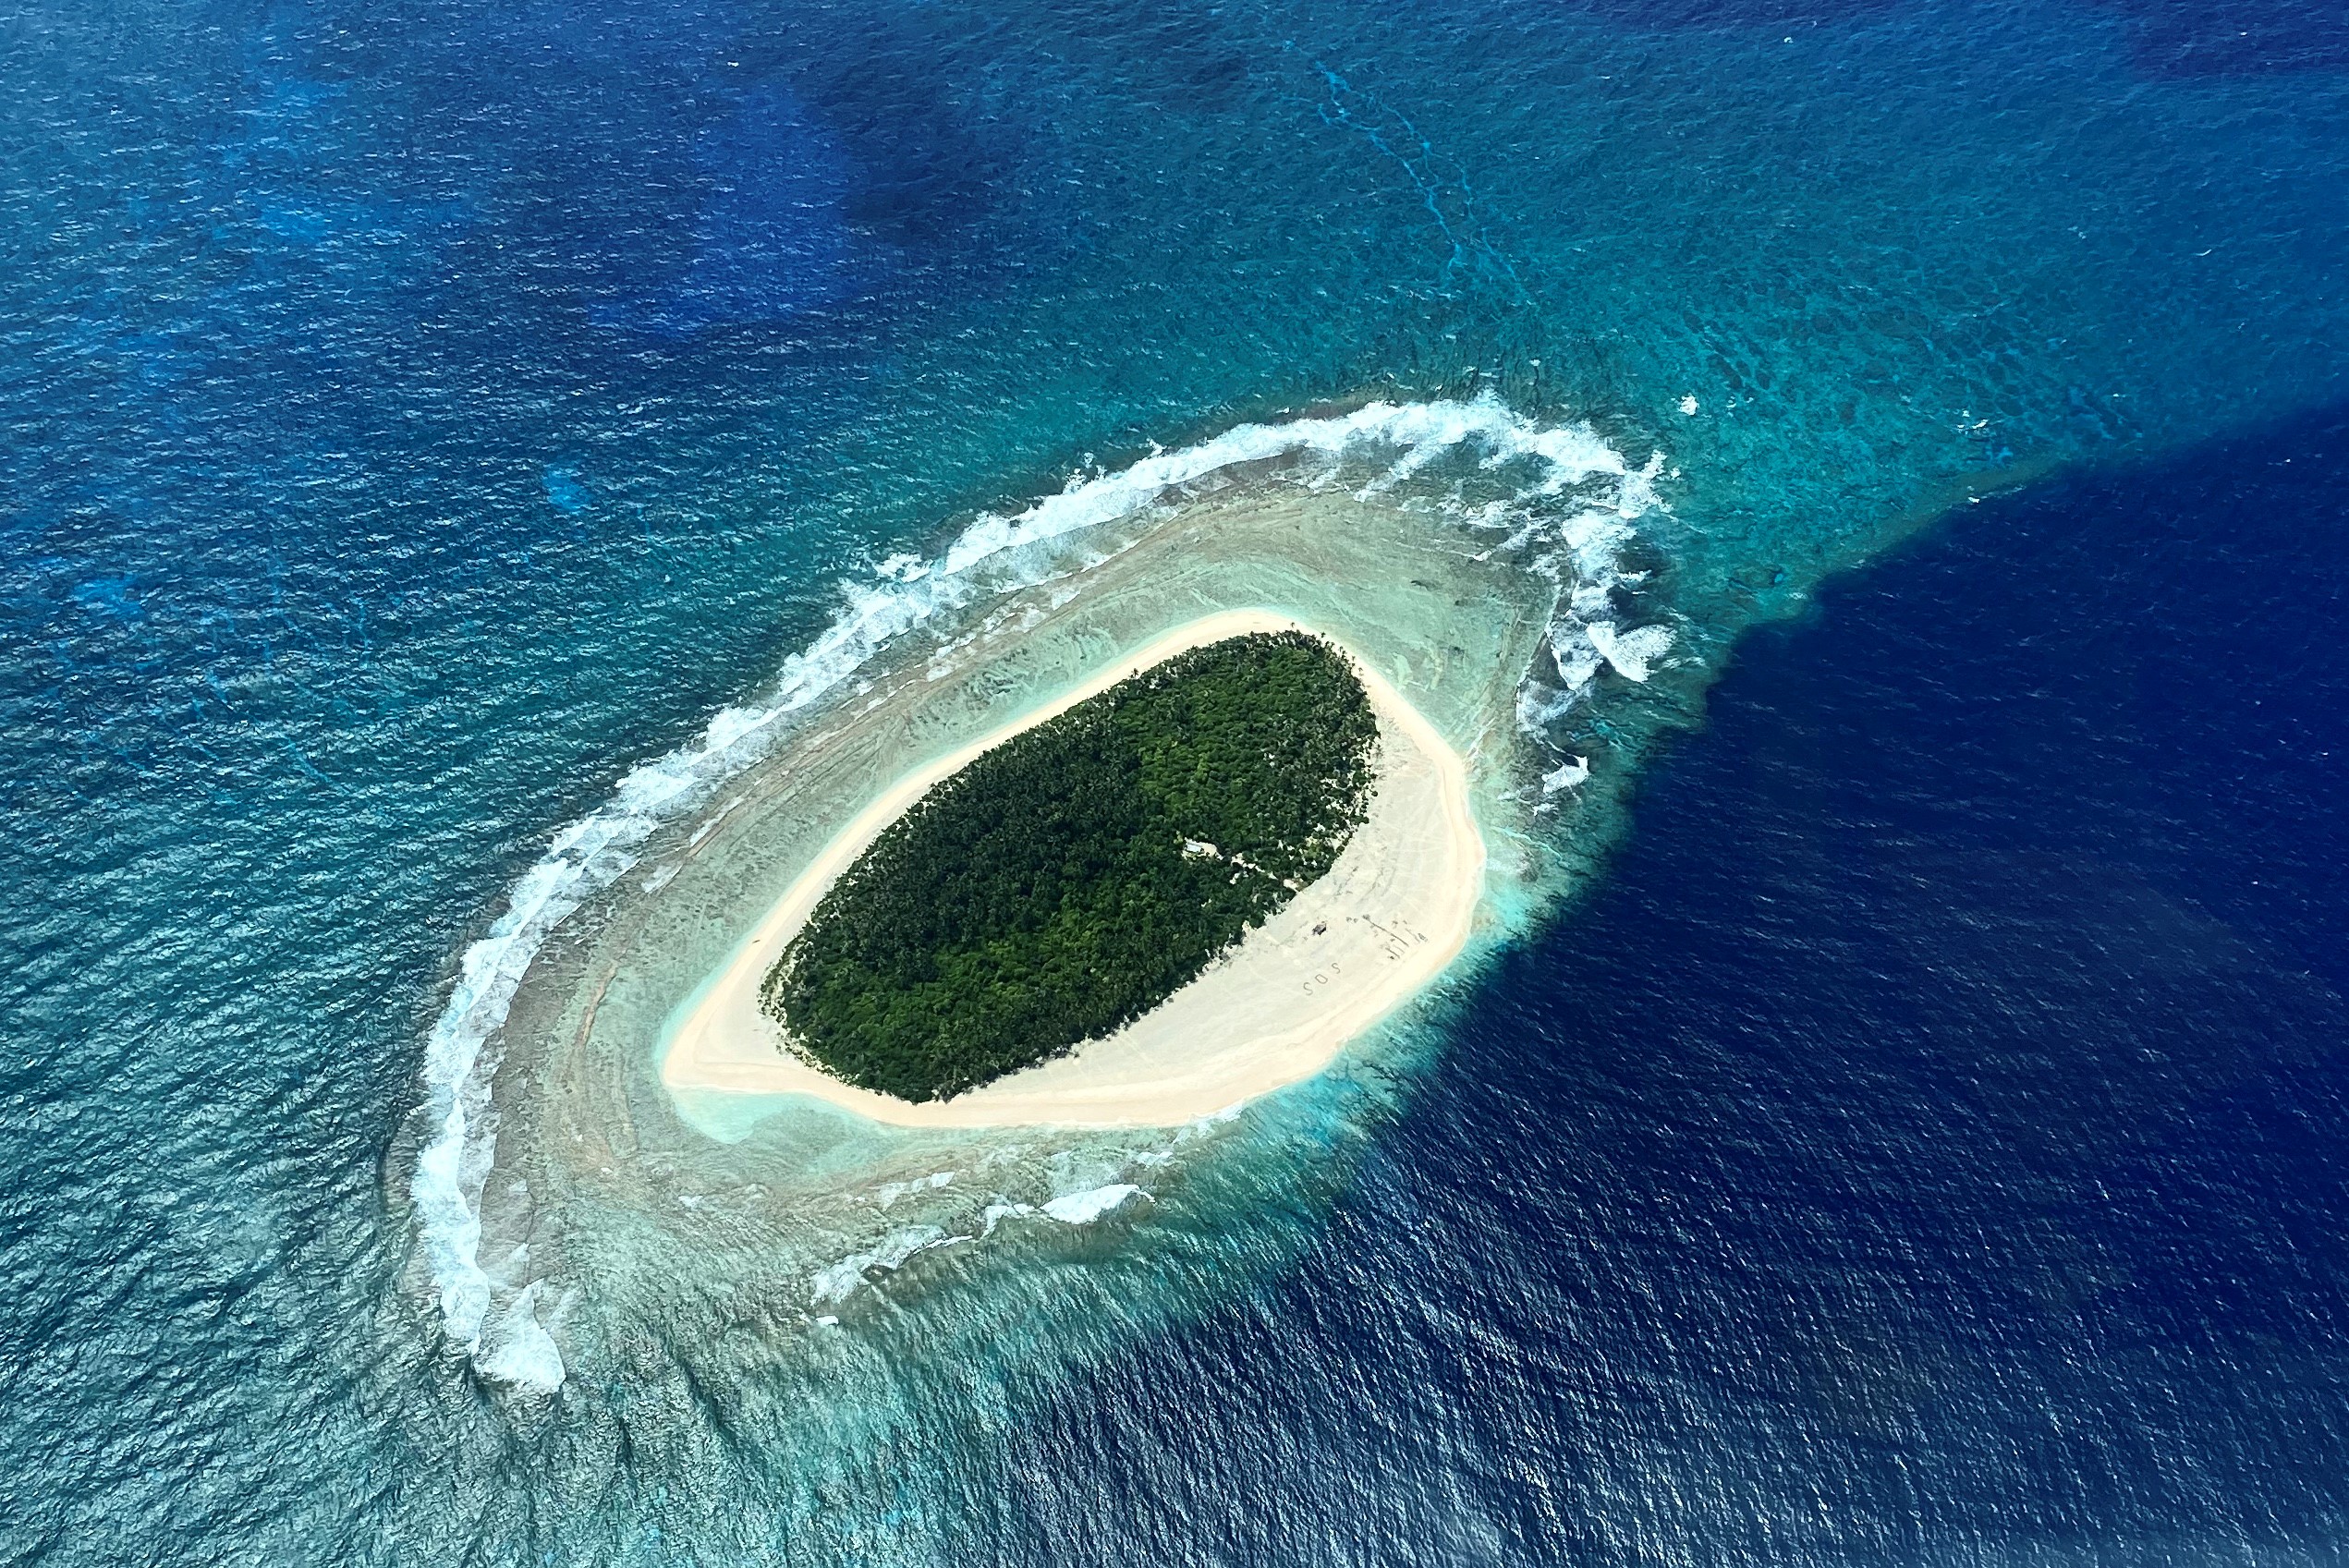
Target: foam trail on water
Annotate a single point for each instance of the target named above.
(460, 1055)
(1084, 1208)
(832, 1286)
(1629, 652)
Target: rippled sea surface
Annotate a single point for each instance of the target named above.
(1924, 1140)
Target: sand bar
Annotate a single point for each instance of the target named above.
(1393, 911)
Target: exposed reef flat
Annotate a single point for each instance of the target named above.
(1393, 910)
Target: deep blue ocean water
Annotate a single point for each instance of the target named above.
(1928, 1148)
(1926, 1143)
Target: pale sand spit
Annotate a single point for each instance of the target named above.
(1393, 911)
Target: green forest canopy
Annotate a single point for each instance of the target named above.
(1068, 881)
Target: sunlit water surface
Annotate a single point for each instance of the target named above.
(449, 448)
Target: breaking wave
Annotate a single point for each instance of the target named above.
(1563, 495)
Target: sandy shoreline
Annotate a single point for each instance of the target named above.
(1393, 911)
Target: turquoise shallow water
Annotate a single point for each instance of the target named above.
(418, 418)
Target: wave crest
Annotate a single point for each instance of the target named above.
(1390, 441)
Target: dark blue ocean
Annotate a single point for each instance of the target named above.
(1928, 1147)
(1916, 1133)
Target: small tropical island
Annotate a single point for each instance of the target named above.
(1187, 881)
(1071, 878)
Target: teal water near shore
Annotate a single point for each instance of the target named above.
(425, 420)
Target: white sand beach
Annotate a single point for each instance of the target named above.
(1393, 911)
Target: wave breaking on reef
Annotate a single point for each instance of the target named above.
(1560, 493)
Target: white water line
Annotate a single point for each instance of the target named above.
(589, 854)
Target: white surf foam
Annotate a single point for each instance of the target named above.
(1084, 1208)
(1389, 442)
(832, 1286)
(1573, 773)
(520, 1353)
(1630, 653)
